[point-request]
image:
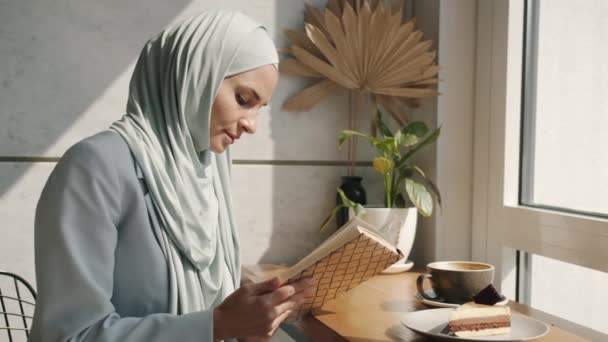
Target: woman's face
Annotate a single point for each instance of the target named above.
(236, 105)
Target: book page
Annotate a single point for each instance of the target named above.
(260, 272)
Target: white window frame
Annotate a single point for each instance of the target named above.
(500, 224)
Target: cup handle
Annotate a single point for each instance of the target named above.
(421, 291)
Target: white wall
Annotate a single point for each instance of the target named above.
(452, 26)
(64, 75)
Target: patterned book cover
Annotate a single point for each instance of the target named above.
(352, 255)
(344, 269)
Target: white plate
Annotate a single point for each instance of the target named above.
(441, 304)
(433, 322)
(401, 266)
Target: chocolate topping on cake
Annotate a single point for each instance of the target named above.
(488, 296)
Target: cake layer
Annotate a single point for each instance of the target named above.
(483, 332)
(475, 320)
(472, 319)
(478, 326)
(473, 310)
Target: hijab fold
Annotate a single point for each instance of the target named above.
(166, 126)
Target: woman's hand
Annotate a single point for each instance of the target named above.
(257, 310)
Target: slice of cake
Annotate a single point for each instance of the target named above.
(472, 319)
(482, 317)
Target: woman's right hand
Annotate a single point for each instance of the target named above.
(257, 310)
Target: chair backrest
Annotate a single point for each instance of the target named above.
(17, 303)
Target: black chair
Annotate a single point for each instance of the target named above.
(16, 305)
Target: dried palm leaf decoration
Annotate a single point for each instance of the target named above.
(366, 48)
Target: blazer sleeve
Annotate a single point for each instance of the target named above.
(75, 238)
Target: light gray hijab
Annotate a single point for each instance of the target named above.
(166, 126)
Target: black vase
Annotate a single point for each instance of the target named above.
(353, 189)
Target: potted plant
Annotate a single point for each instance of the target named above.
(368, 48)
(407, 189)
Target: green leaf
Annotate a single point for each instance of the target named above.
(429, 182)
(417, 169)
(420, 196)
(359, 210)
(434, 188)
(388, 146)
(417, 128)
(406, 139)
(397, 140)
(345, 200)
(431, 138)
(347, 134)
(346, 203)
(384, 130)
(329, 218)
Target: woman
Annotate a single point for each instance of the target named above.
(134, 234)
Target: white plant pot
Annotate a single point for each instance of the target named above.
(398, 225)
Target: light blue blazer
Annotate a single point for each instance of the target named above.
(100, 269)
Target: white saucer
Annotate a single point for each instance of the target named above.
(442, 304)
(400, 266)
(433, 323)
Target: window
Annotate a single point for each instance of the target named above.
(565, 106)
(566, 290)
(540, 179)
(563, 159)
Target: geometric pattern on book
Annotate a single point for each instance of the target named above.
(344, 269)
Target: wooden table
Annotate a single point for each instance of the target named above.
(371, 313)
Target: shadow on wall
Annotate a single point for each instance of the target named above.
(294, 216)
(64, 74)
(303, 193)
(57, 60)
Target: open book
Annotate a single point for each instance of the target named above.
(350, 256)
